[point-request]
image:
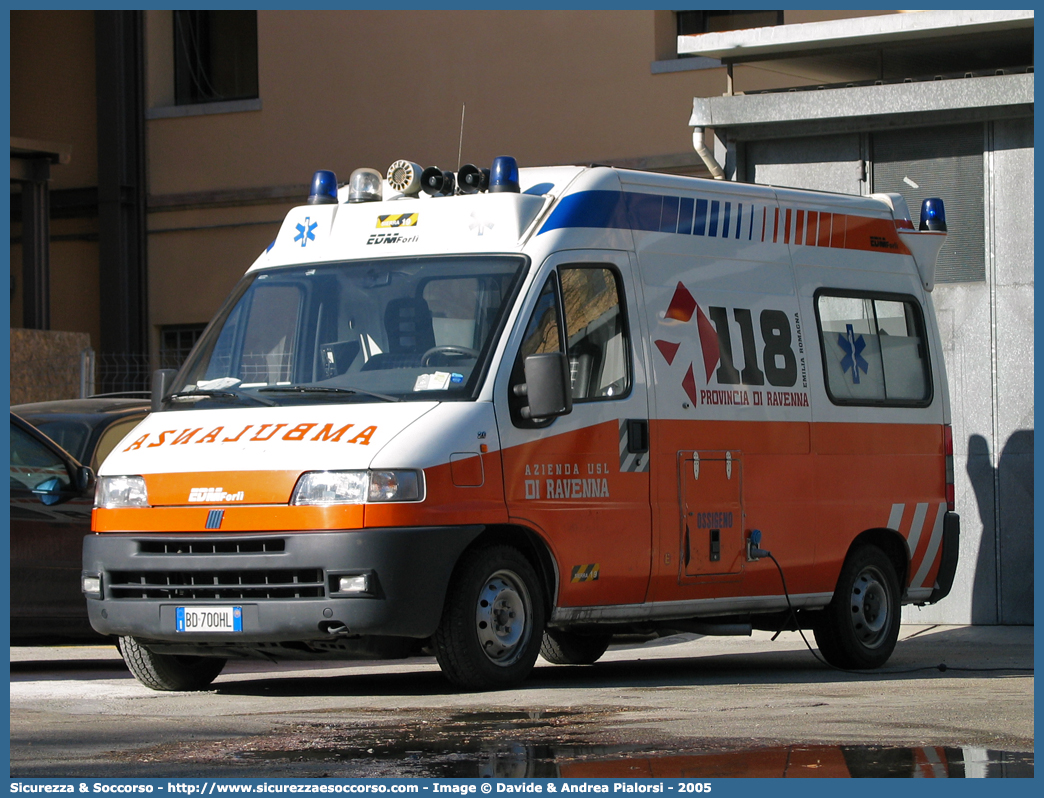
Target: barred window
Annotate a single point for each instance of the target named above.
(176, 341)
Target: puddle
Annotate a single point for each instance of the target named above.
(508, 761)
(567, 744)
(815, 761)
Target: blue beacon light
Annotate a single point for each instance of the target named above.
(503, 175)
(324, 188)
(933, 215)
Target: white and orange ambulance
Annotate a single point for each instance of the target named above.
(511, 412)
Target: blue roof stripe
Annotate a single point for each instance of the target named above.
(654, 213)
(628, 210)
(701, 218)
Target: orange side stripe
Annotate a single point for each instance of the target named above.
(258, 487)
(235, 519)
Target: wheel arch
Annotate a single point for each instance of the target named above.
(533, 547)
(894, 547)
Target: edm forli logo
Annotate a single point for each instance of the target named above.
(305, 232)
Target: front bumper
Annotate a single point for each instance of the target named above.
(283, 582)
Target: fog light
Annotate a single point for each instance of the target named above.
(360, 583)
(90, 584)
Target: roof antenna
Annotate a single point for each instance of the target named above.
(460, 146)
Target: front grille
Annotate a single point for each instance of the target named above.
(284, 583)
(254, 546)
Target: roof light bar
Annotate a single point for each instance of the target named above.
(933, 215)
(365, 185)
(503, 176)
(324, 188)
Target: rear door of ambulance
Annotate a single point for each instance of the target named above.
(879, 388)
(582, 480)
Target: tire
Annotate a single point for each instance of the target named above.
(860, 626)
(563, 647)
(169, 671)
(492, 623)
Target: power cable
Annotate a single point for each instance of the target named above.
(941, 667)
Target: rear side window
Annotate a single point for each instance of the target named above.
(874, 349)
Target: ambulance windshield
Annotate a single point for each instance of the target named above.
(364, 331)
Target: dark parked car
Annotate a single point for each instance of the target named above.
(88, 429)
(52, 494)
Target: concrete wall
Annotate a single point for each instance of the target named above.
(987, 338)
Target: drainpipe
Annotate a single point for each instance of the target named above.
(708, 157)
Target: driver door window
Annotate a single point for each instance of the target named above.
(590, 301)
(596, 334)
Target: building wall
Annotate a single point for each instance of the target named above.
(339, 90)
(53, 99)
(987, 335)
(342, 90)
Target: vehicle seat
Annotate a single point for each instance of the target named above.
(407, 321)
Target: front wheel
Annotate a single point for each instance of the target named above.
(563, 647)
(492, 623)
(860, 626)
(169, 671)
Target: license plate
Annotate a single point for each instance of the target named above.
(209, 619)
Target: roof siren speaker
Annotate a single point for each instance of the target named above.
(437, 183)
(472, 179)
(405, 177)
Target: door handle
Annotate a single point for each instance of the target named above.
(637, 435)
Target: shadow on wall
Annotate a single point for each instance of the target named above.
(1002, 590)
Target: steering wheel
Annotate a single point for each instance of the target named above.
(452, 350)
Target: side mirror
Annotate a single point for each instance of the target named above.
(84, 479)
(50, 492)
(161, 380)
(53, 491)
(546, 386)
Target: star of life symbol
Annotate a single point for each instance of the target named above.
(305, 231)
(853, 348)
(479, 225)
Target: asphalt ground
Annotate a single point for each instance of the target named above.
(961, 692)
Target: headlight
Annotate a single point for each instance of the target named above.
(330, 487)
(117, 492)
(356, 487)
(394, 486)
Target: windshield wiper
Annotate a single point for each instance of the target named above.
(214, 394)
(326, 389)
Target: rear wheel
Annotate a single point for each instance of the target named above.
(563, 647)
(169, 671)
(860, 626)
(491, 626)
